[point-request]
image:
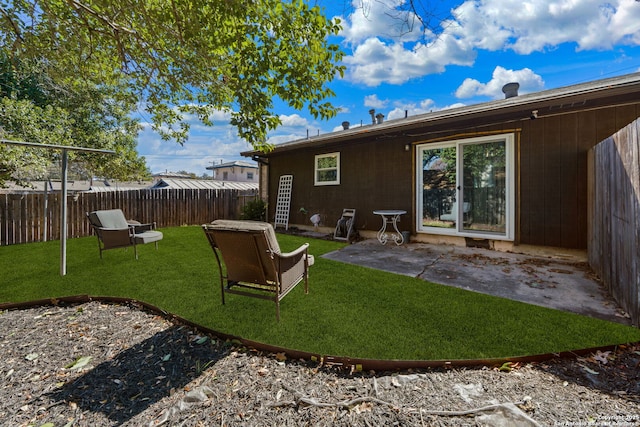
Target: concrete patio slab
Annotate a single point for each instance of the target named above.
(556, 281)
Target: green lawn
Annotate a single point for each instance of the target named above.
(350, 310)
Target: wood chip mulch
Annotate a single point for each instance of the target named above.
(98, 364)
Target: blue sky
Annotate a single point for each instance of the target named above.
(466, 60)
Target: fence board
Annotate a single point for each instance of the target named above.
(32, 217)
(614, 249)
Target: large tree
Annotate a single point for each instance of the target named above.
(35, 108)
(185, 57)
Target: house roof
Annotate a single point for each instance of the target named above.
(112, 188)
(239, 163)
(591, 95)
(42, 186)
(204, 184)
(73, 186)
(170, 175)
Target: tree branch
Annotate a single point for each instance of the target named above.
(16, 28)
(301, 399)
(106, 20)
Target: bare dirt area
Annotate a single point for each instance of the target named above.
(98, 364)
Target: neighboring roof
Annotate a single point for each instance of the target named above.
(41, 186)
(204, 184)
(85, 186)
(112, 188)
(74, 186)
(171, 175)
(239, 163)
(569, 98)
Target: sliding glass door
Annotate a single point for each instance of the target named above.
(465, 187)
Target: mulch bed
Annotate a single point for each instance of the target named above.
(98, 364)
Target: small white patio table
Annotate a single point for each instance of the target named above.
(390, 217)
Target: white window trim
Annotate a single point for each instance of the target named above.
(316, 169)
(509, 233)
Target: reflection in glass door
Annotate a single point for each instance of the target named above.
(439, 187)
(466, 187)
(484, 193)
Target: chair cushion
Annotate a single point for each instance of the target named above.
(227, 224)
(112, 218)
(148, 237)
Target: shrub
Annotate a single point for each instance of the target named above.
(255, 210)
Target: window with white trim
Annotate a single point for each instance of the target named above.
(466, 187)
(327, 169)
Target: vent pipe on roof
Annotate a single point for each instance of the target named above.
(510, 90)
(373, 116)
(345, 125)
(379, 118)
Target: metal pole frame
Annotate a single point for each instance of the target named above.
(63, 204)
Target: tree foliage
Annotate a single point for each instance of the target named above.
(182, 58)
(35, 108)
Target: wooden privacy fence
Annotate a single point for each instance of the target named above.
(614, 223)
(34, 217)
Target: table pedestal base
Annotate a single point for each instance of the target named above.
(392, 218)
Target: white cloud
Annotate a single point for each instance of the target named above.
(379, 18)
(206, 144)
(293, 127)
(374, 102)
(286, 137)
(526, 26)
(216, 116)
(375, 62)
(220, 116)
(293, 120)
(528, 80)
(624, 26)
(412, 109)
(383, 53)
(470, 24)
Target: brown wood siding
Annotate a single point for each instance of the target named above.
(551, 160)
(586, 139)
(373, 175)
(532, 191)
(553, 175)
(559, 152)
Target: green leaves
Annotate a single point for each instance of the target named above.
(35, 107)
(201, 340)
(227, 55)
(21, 120)
(79, 363)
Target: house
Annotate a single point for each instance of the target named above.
(498, 174)
(238, 171)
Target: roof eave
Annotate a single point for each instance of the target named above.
(538, 100)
